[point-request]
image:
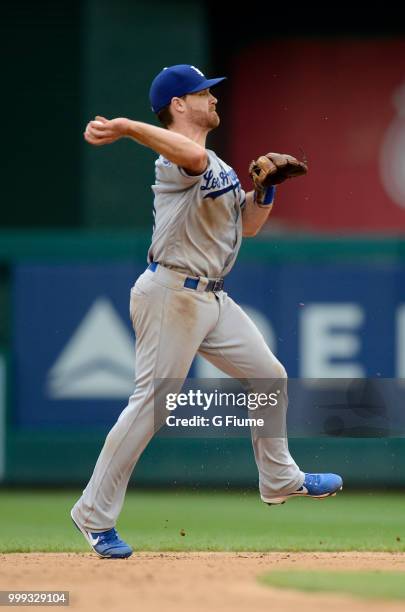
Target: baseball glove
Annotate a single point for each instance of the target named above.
(273, 169)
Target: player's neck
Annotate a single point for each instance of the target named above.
(195, 133)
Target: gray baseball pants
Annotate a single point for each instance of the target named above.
(172, 324)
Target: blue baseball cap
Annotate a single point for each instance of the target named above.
(177, 81)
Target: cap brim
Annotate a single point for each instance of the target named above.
(208, 83)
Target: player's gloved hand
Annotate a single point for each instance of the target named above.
(101, 131)
(270, 170)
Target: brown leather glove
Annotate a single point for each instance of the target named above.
(273, 169)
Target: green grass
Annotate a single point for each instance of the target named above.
(40, 521)
(368, 584)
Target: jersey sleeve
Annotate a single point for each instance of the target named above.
(170, 175)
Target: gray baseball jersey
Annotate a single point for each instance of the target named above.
(198, 219)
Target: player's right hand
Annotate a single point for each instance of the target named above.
(101, 131)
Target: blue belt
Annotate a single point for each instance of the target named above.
(192, 283)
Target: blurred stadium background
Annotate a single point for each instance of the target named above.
(325, 280)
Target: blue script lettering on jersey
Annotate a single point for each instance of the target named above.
(220, 183)
(213, 182)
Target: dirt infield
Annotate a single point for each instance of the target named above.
(189, 581)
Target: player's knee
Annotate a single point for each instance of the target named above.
(279, 371)
(271, 369)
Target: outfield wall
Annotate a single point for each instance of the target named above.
(69, 292)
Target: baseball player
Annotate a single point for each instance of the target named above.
(178, 306)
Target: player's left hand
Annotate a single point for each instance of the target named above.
(274, 168)
(102, 131)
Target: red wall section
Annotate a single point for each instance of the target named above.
(341, 101)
